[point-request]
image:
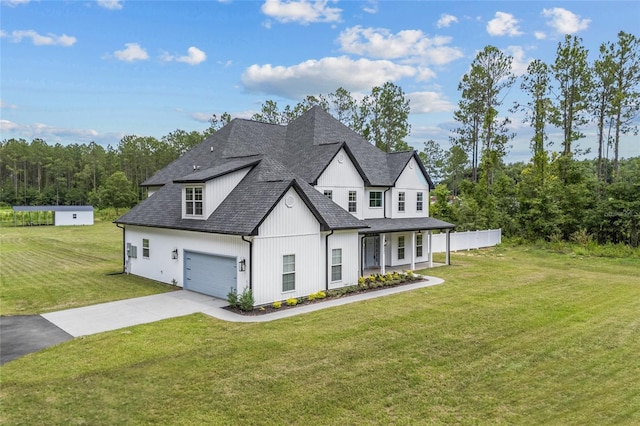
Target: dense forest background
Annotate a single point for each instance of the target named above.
(561, 193)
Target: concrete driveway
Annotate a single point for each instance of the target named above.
(21, 335)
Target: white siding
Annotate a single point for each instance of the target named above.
(340, 177)
(374, 212)
(391, 255)
(67, 218)
(287, 230)
(348, 241)
(161, 267)
(411, 181)
(219, 188)
(215, 191)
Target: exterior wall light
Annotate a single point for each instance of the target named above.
(174, 254)
(242, 265)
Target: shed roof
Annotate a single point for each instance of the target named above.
(53, 208)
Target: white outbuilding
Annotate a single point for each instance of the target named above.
(59, 216)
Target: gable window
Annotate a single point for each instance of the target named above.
(375, 199)
(193, 201)
(401, 247)
(328, 193)
(336, 265)
(401, 201)
(145, 248)
(288, 272)
(418, 245)
(419, 201)
(353, 203)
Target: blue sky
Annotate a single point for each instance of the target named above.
(81, 71)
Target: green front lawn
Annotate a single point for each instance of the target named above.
(49, 268)
(514, 336)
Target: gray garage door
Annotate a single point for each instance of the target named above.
(209, 274)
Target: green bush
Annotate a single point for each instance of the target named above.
(232, 298)
(292, 301)
(246, 300)
(277, 304)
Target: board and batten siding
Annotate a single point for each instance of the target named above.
(290, 228)
(340, 177)
(411, 181)
(348, 241)
(375, 212)
(161, 267)
(391, 252)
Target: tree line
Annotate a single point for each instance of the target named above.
(552, 196)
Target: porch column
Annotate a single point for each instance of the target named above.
(383, 242)
(448, 260)
(430, 239)
(413, 250)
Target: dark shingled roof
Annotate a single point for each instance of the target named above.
(280, 157)
(377, 226)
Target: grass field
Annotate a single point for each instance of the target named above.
(514, 336)
(48, 268)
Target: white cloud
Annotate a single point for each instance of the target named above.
(446, 20)
(503, 23)
(301, 11)
(132, 52)
(520, 62)
(40, 40)
(371, 7)
(426, 102)
(322, 76)
(47, 132)
(194, 56)
(540, 35)
(14, 3)
(564, 21)
(7, 126)
(4, 105)
(110, 4)
(410, 45)
(202, 117)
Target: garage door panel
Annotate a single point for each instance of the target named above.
(210, 274)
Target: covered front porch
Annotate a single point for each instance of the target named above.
(388, 245)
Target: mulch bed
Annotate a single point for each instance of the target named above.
(266, 309)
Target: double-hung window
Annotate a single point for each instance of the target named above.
(419, 201)
(288, 272)
(418, 245)
(400, 247)
(375, 199)
(145, 248)
(401, 199)
(336, 265)
(353, 202)
(193, 201)
(328, 193)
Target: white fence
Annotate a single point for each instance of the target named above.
(467, 240)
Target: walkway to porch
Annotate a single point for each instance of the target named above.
(400, 268)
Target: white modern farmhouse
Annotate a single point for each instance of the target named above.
(285, 210)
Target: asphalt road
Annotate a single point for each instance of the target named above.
(24, 334)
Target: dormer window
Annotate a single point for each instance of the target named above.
(193, 201)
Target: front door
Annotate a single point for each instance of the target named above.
(372, 252)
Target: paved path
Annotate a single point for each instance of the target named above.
(21, 335)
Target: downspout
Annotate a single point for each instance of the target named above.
(124, 244)
(384, 201)
(250, 261)
(326, 259)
